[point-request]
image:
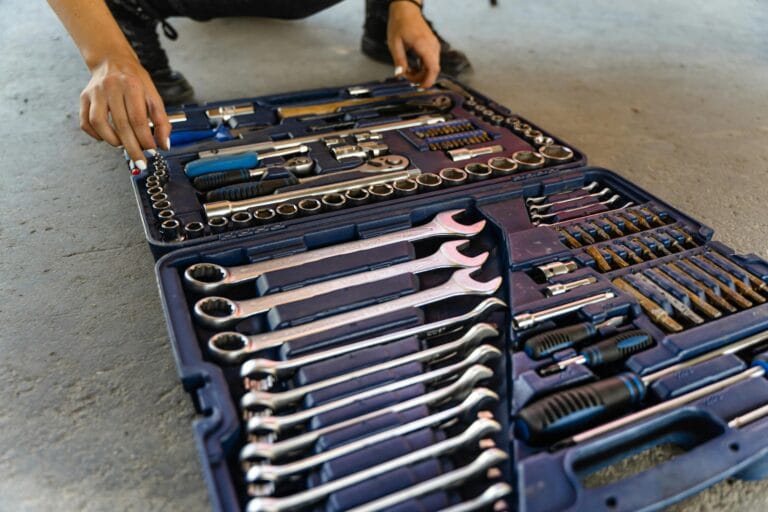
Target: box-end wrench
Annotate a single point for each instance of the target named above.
(210, 277)
(528, 320)
(233, 347)
(256, 368)
(382, 169)
(478, 430)
(479, 400)
(221, 312)
(482, 355)
(266, 447)
(477, 468)
(274, 401)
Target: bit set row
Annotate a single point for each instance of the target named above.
(618, 224)
(640, 249)
(697, 289)
(447, 128)
(447, 143)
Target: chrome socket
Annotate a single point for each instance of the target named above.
(166, 215)
(528, 159)
(286, 211)
(309, 206)
(381, 192)
(357, 196)
(556, 153)
(405, 187)
(333, 201)
(157, 189)
(453, 176)
(428, 182)
(159, 206)
(502, 165)
(194, 229)
(218, 224)
(263, 215)
(170, 230)
(478, 171)
(241, 220)
(160, 196)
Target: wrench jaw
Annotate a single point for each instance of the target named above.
(463, 278)
(229, 347)
(450, 251)
(449, 225)
(206, 277)
(217, 312)
(480, 399)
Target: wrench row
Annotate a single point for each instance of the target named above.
(640, 248)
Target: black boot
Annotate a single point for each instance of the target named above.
(138, 21)
(374, 44)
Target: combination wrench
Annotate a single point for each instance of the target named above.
(466, 411)
(485, 501)
(475, 432)
(209, 277)
(282, 369)
(221, 312)
(538, 207)
(265, 447)
(274, 401)
(233, 347)
(275, 424)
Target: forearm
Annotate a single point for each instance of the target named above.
(80, 17)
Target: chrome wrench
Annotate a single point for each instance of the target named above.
(485, 501)
(267, 448)
(233, 347)
(480, 399)
(220, 312)
(255, 368)
(482, 354)
(536, 208)
(478, 430)
(274, 401)
(209, 277)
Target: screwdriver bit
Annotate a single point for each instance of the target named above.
(651, 308)
(585, 236)
(726, 290)
(700, 304)
(618, 260)
(600, 260)
(712, 297)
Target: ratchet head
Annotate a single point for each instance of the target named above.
(450, 252)
(452, 227)
(206, 277)
(299, 165)
(463, 279)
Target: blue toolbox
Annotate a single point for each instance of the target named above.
(490, 329)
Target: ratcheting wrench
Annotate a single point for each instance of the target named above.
(275, 401)
(281, 369)
(383, 169)
(475, 469)
(220, 312)
(478, 430)
(275, 424)
(233, 347)
(209, 277)
(269, 449)
(480, 399)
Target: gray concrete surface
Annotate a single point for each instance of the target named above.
(92, 417)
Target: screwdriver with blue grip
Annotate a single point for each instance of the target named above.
(564, 413)
(609, 351)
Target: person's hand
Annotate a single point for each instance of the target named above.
(118, 103)
(407, 30)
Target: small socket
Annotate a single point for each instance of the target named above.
(161, 175)
(161, 205)
(241, 220)
(502, 165)
(478, 171)
(218, 224)
(405, 187)
(453, 176)
(170, 230)
(286, 211)
(155, 190)
(357, 196)
(194, 229)
(152, 181)
(381, 192)
(556, 153)
(309, 206)
(161, 196)
(528, 159)
(428, 181)
(263, 215)
(166, 215)
(333, 201)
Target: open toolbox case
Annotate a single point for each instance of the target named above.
(542, 231)
(316, 147)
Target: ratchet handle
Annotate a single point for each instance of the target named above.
(547, 343)
(221, 179)
(617, 348)
(573, 410)
(181, 137)
(221, 163)
(247, 190)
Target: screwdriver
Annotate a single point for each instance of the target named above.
(611, 350)
(547, 343)
(579, 408)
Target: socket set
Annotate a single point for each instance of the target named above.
(488, 347)
(387, 298)
(248, 166)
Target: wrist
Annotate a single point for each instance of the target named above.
(118, 56)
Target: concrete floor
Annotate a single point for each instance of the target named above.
(92, 416)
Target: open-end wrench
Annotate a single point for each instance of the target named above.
(275, 401)
(563, 195)
(233, 347)
(480, 399)
(478, 430)
(209, 277)
(275, 424)
(256, 368)
(391, 167)
(485, 501)
(475, 469)
(536, 208)
(221, 312)
(576, 212)
(267, 448)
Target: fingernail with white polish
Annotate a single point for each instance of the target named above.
(141, 164)
(151, 152)
(168, 144)
(399, 70)
(130, 164)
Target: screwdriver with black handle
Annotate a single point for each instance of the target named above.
(608, 351)
(573, 410)
(547, 343)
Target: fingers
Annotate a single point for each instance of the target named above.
(123, 128)
(160, 120)
(98, 118)
(85, 124)
(136, 107)
(428, 49)
(399, 58)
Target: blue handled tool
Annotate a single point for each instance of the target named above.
(573, 410)
(245, 160)
(547, 343)
(608, 351)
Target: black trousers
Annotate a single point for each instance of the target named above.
(283, 9)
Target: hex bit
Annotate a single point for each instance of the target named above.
(600, 261)
(618, 260)
(700, 304)
(712, 297)
(651, 308)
